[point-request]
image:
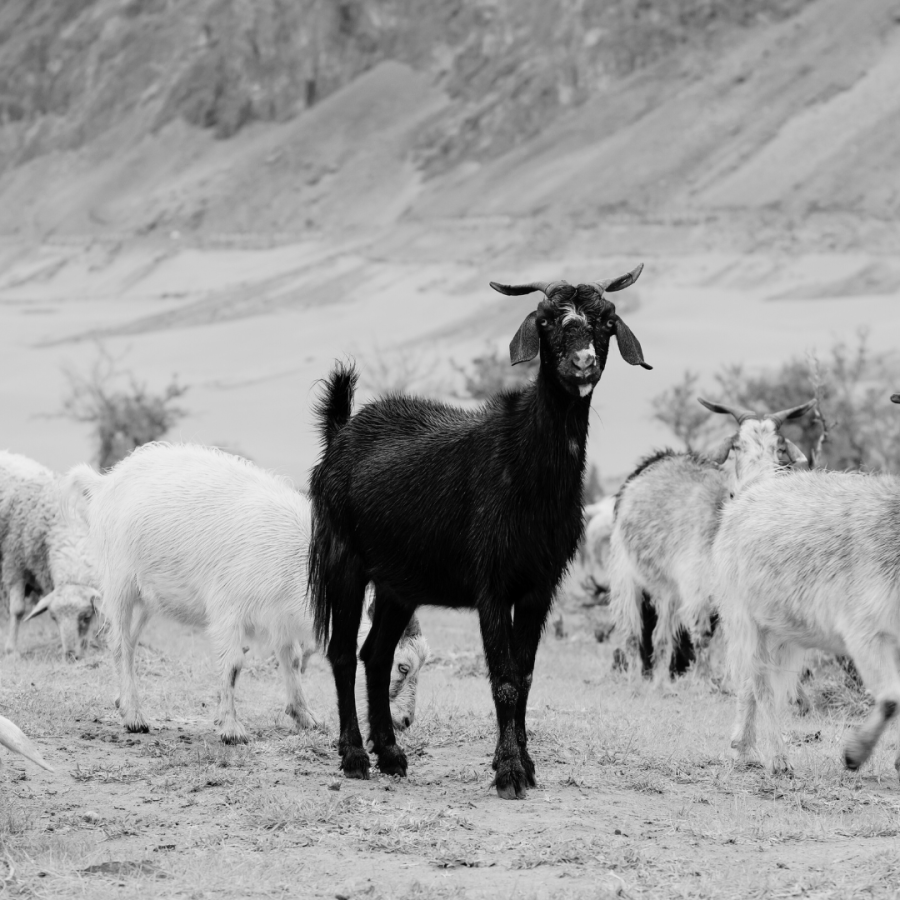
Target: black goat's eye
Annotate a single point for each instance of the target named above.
(542, 321)
(404, 669)
(611, 325)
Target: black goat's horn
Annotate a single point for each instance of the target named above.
(618, 284)
(514, 290)
(740, 414)
(794, 412)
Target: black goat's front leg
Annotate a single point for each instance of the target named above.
(389, 620)
(528, 627)
(512, 779)
(342, 656)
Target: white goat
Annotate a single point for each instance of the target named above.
(596, 543)
(41, 554)
(666, 516)
(810, 562)
(214, 541)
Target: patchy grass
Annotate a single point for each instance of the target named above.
(637, 795)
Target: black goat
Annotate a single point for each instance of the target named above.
(443, 506)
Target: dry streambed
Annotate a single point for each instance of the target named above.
(636, 797)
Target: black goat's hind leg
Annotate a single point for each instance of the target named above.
(512, 778)
(389, 620)
(345, 617)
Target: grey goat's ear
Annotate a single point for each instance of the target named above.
(527, 343)
(795, 455)
(720, 452)
(629, 345)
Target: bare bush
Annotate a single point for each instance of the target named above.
(491, 372)
(124, 414)
(854, 427)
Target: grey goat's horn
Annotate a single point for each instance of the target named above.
(794, 412)
(618, 284)
(514, 290)
(740, 414)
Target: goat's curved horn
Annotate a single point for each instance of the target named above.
(514, 290)
(740, 414)
(620, 283)
(794, 412)
(42, 606)
(895, 398)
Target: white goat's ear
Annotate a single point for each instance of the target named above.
(42, 607)
(720, 452)
(13, 739)
(795, 455)
(527, 343)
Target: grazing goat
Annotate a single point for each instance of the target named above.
(810, 562)
(666, 516)
(458, 508)
(43, 556)
(12, 738)
(213, 541)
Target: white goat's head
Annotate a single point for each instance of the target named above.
(758, 445)
(409, 657)
(73, 607)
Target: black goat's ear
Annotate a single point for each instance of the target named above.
(629, 345)
(527, 343)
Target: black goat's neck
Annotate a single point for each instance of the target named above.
(558, 427)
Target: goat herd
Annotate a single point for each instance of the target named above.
(420, 503)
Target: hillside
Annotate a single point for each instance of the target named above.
(759, 123)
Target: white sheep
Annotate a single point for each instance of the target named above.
(43, 556)
(666, 516)
(812, 562)
(12, 738)
(213, 541)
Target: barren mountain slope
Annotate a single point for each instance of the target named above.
(226, 116)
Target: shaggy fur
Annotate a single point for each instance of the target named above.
(212, 541)
(811, 561)
(667, 515)
(443, 506)
(42, 557)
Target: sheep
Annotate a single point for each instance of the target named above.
(810, 562)
(12, 738)
(41, 556)
(459, 508)
(665, 517)
(213, 541)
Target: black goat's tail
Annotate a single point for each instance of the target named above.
(334, 406)
(327, 550)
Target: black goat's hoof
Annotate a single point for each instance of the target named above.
(512, 780)
(355, 763)
(392, 761)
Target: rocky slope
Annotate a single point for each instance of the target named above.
(687, 124)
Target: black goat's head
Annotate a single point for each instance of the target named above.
(571, 329)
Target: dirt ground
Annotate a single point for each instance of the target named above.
(636, 797)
